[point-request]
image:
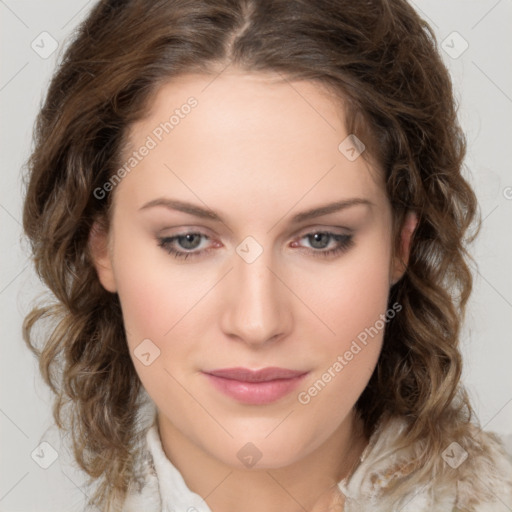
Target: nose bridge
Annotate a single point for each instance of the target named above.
(255, 312)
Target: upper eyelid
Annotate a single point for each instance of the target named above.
(336, 230)
(301, 234)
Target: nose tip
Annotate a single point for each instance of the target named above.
(256, 313)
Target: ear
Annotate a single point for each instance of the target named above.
(399, 265)
(99, 248)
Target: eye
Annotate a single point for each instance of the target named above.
(320, 240)
(186, 241)
(185, 245)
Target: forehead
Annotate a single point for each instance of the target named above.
(236, 104)
(243, 133)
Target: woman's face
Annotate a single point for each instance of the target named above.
(229, 254)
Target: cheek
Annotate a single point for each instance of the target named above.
(353, 294)
(154, 292)
(157, 301)
(164, 302)
(346, 360)
(353, 303)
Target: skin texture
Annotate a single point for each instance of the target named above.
(257, 150)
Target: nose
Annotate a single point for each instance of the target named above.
(256, 312)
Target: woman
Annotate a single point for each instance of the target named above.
(254, 221)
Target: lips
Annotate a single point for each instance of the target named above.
(256, 387)
(263, 375)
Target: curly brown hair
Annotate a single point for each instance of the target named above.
(382, 59)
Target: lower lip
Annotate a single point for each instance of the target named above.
(255, 393)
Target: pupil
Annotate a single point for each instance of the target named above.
(189, 244)
(317, 240)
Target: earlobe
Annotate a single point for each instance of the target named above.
(99, 250)
(402, 258)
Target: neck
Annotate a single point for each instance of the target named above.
(307, 484)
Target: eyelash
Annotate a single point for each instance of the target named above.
(344, 243)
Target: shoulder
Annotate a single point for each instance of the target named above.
(484, 476)
(472, 473)
(144, 490)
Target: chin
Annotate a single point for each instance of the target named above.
(279, 452)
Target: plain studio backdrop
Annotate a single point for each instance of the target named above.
(475, 38)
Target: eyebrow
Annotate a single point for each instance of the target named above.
(205, 213)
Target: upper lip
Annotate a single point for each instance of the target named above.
(262, 375)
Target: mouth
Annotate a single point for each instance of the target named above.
(255, 387)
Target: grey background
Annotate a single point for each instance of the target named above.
(483, 81)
